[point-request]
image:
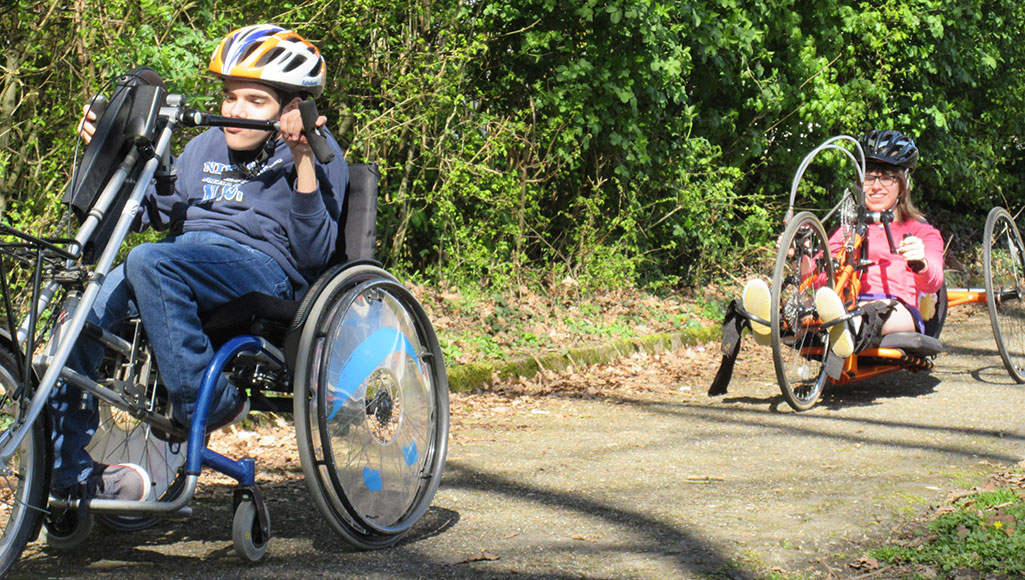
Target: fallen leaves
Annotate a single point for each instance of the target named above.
(625, 379)
(483, 556)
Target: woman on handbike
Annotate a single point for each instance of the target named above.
(894, 286)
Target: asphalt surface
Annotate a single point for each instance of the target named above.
(649, 478)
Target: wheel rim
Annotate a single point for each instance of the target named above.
(1005, 271)
(803, 265)
(22, 483)
(374, 408)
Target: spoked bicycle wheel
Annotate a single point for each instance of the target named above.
(371, 407)
(803, 265)
(121, 438)
(23, 479)
(1004, 264)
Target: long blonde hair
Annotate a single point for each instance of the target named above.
(905, 209)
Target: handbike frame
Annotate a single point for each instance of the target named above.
(57, 258)
(847, 279)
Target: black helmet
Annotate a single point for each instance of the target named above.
(890, 147)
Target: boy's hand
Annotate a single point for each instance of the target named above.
(292, 132)
(291, 128)
(87, 125)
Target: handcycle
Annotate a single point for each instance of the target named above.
(356, 361)
(804, 262)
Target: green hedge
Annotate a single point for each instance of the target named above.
(527, 141)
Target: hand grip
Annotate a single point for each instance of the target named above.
(315, 135)
(915, 266)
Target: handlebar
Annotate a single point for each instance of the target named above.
(316, 136)
(885, 217)
(882, 217)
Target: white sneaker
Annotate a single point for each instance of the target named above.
(124, 481)
(756, 299)
(830, 308)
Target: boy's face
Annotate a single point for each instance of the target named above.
(248, 100)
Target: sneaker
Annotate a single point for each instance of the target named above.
(756, 299)
(123, 481)
(830, 308)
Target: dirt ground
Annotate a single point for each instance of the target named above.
(629, 470)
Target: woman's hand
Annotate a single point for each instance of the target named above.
(912, 248)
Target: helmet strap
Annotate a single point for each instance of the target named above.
(249, 164)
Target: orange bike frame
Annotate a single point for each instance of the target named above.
(847, 284)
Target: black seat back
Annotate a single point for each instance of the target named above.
(358, 223)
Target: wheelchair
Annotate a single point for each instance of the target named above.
(356, 362)
(804, 262)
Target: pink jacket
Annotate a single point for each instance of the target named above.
(890, 273)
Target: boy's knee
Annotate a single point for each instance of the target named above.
(142, 260)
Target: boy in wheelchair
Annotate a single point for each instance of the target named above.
(895, 288)
(250, 211)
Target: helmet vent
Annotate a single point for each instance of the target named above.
(269, 56)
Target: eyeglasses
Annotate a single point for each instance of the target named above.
(885, 180)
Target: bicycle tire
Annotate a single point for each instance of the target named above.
(25, 479)
(803, 264)
(1004, 267)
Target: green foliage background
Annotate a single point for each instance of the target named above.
(618, 142)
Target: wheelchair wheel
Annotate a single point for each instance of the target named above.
(1004, 266)
(24, 479)
(371, 407)
(121, 438)
(246, 535)
(803, 264)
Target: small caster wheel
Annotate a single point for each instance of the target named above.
(67, 529)
(247, 534)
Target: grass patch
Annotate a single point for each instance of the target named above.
(981, 531)
(475, 326)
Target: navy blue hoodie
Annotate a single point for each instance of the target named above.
(262, 211)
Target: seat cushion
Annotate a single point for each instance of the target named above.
(912, 343)
(254, 313)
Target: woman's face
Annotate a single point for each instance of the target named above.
(248, 100)
(882, 189)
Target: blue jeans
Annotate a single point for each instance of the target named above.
(167, 284)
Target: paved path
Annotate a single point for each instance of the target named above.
(647, 478)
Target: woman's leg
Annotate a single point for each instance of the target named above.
(900, 320)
